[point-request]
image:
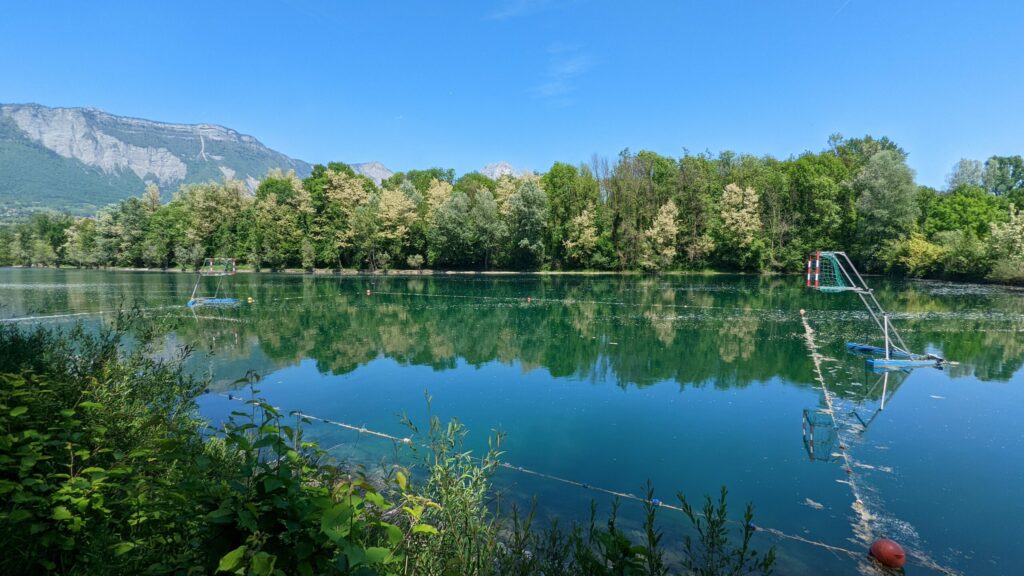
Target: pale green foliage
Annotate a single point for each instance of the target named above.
(42, 253)
(965, 173)
(272, 229)
(526, 214)
(487, 230)
(887, 210)
(1007, 242)
(151, 198)
(437, 194)
(915, 255)
(415, 261)
(740, 234)
(581, 239)
(380, 226)
(397, 211)
(505, 187)
(450, 236)
(660, 239)
(964, 254)
(1004, 175)
(344, 194)
(308, 255)
(80, 243)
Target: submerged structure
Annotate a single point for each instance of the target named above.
(219, 268)
(834, 272)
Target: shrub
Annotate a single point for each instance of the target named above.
(106, 469)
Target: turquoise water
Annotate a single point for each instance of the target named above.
(691, 382)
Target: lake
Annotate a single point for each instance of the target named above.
(693, 382)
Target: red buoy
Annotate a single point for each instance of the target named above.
(889, 553)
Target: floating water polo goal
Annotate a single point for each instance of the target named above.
(833, 272)
(219, 268)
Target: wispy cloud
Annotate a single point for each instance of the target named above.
(565, 65)
(516, 8)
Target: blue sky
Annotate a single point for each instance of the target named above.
(419, 84)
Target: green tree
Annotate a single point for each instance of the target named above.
(421, 179)
(1004, 176)
(473, 183)
(886, 205)
(570, 192)
(526, 217)
(965, 173)
(823, 211)
(740, 236)
(451, 236)
(151, 198)
(581, 240)
(660, 239)
(1006, 244)
(486, 227)
(699, 186)
(80, 244)
(397, 212)
(967, 208)
(343, 194)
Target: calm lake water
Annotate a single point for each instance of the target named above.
(691, 382)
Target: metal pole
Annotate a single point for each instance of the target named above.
(885, 319)
(885, 387)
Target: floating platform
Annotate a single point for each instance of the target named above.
(211, 302)
(873, 350)
(898, 359)
(899, 363)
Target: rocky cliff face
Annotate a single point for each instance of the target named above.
(80, 159)
(68, 133)
(373, 170)
(165, 153)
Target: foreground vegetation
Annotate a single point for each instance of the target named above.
(644, 212)
(105, 469)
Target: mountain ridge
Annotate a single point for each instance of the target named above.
(80, 159)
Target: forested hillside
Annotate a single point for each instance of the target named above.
(643, 211)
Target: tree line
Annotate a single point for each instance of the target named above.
(644, 211)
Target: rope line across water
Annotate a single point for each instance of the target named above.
(586, 486)
(862, 528)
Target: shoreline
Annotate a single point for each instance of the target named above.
(326, 272)
(421, 272)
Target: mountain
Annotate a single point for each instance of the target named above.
(373, 170)
(81, 159)
(497, 170)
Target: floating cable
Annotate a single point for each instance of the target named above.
(618, 494)
(862, 528)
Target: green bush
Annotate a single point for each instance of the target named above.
(106, 469)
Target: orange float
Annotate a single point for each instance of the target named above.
(889, 553)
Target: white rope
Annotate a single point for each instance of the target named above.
(625, 495)
(862, 528)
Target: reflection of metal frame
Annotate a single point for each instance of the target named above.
(884, 380)
(219, 267)
(813, 422)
